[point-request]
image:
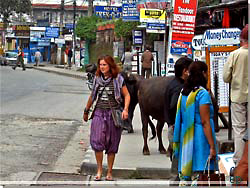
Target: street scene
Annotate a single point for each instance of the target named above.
(124, 93)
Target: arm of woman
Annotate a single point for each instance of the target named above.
(126, 95)
(205, 120)
(86, 110)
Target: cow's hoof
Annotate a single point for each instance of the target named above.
(131, 131)
(146, 153)
(163, 151)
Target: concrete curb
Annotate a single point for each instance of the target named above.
(136, 173)
(61, 73)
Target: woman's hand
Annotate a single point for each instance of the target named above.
(125, 114)
(85, 116)
(212, 154)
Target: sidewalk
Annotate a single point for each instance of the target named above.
(130, 163)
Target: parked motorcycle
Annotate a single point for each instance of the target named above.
(90, 69)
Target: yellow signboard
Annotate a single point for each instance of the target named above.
(152, 15)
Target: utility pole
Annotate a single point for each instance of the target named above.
(90, 7)
(74, 33)
(59, 49)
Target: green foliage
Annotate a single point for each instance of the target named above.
(124, 29)
(96, 50)
(202, 3)
(8, 7)
(86, 27)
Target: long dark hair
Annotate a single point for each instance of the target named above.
(196, 77)
(114, 69)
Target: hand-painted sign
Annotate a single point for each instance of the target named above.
(52, 32)
(224, 36)
(108, 12)
(152, 15)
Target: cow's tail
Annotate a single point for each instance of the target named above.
(152, 126)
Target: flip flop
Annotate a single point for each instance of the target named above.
(109, 178)
(97, 178)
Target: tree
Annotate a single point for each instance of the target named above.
(124, 29)
(86, 27)
(8, 7)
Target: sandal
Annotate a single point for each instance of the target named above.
(98, 178)
(109, 178)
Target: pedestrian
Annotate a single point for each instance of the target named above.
(146, 59)
(235, 72)
(194, 136)
(70, 54)
(37, 57)
(127, 59)
(171, 96)
(20, 57)
(107, 90)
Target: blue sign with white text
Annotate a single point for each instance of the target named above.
(108, 12)
(52, 32)
(130, 12)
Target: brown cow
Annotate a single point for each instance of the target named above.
(151, 101)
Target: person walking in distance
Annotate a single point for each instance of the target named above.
(146, 59)
(37, 57)
(107, 90)
(194, 135)
(20, 57)
(70, 54)
(127, 59)
(235, 72)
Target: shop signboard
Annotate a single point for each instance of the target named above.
(198, 46)
(59, 41)
(22, 30)
(152, 15)
(155, 28)
(108, 12)
(69, 25)
(43, 42)
(224, 36)
(184, 20)
(52, 32)
(183, 26)
(129, 11)
(137, 37)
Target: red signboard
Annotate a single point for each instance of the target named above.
(184, 20)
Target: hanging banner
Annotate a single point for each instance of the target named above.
(184, 20)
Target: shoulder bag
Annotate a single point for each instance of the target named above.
(117, 117)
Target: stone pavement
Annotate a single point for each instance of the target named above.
(130, 163)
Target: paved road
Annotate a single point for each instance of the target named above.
(40, 115)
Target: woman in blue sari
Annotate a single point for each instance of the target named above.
(194, 135)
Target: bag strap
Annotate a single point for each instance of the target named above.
(208, 165)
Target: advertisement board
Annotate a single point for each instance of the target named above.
(52, 32)
(152, 15)
(155, 28)
(108, 12)
(129, 11)
(184, 20)
(224, 36)
(137, 37)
